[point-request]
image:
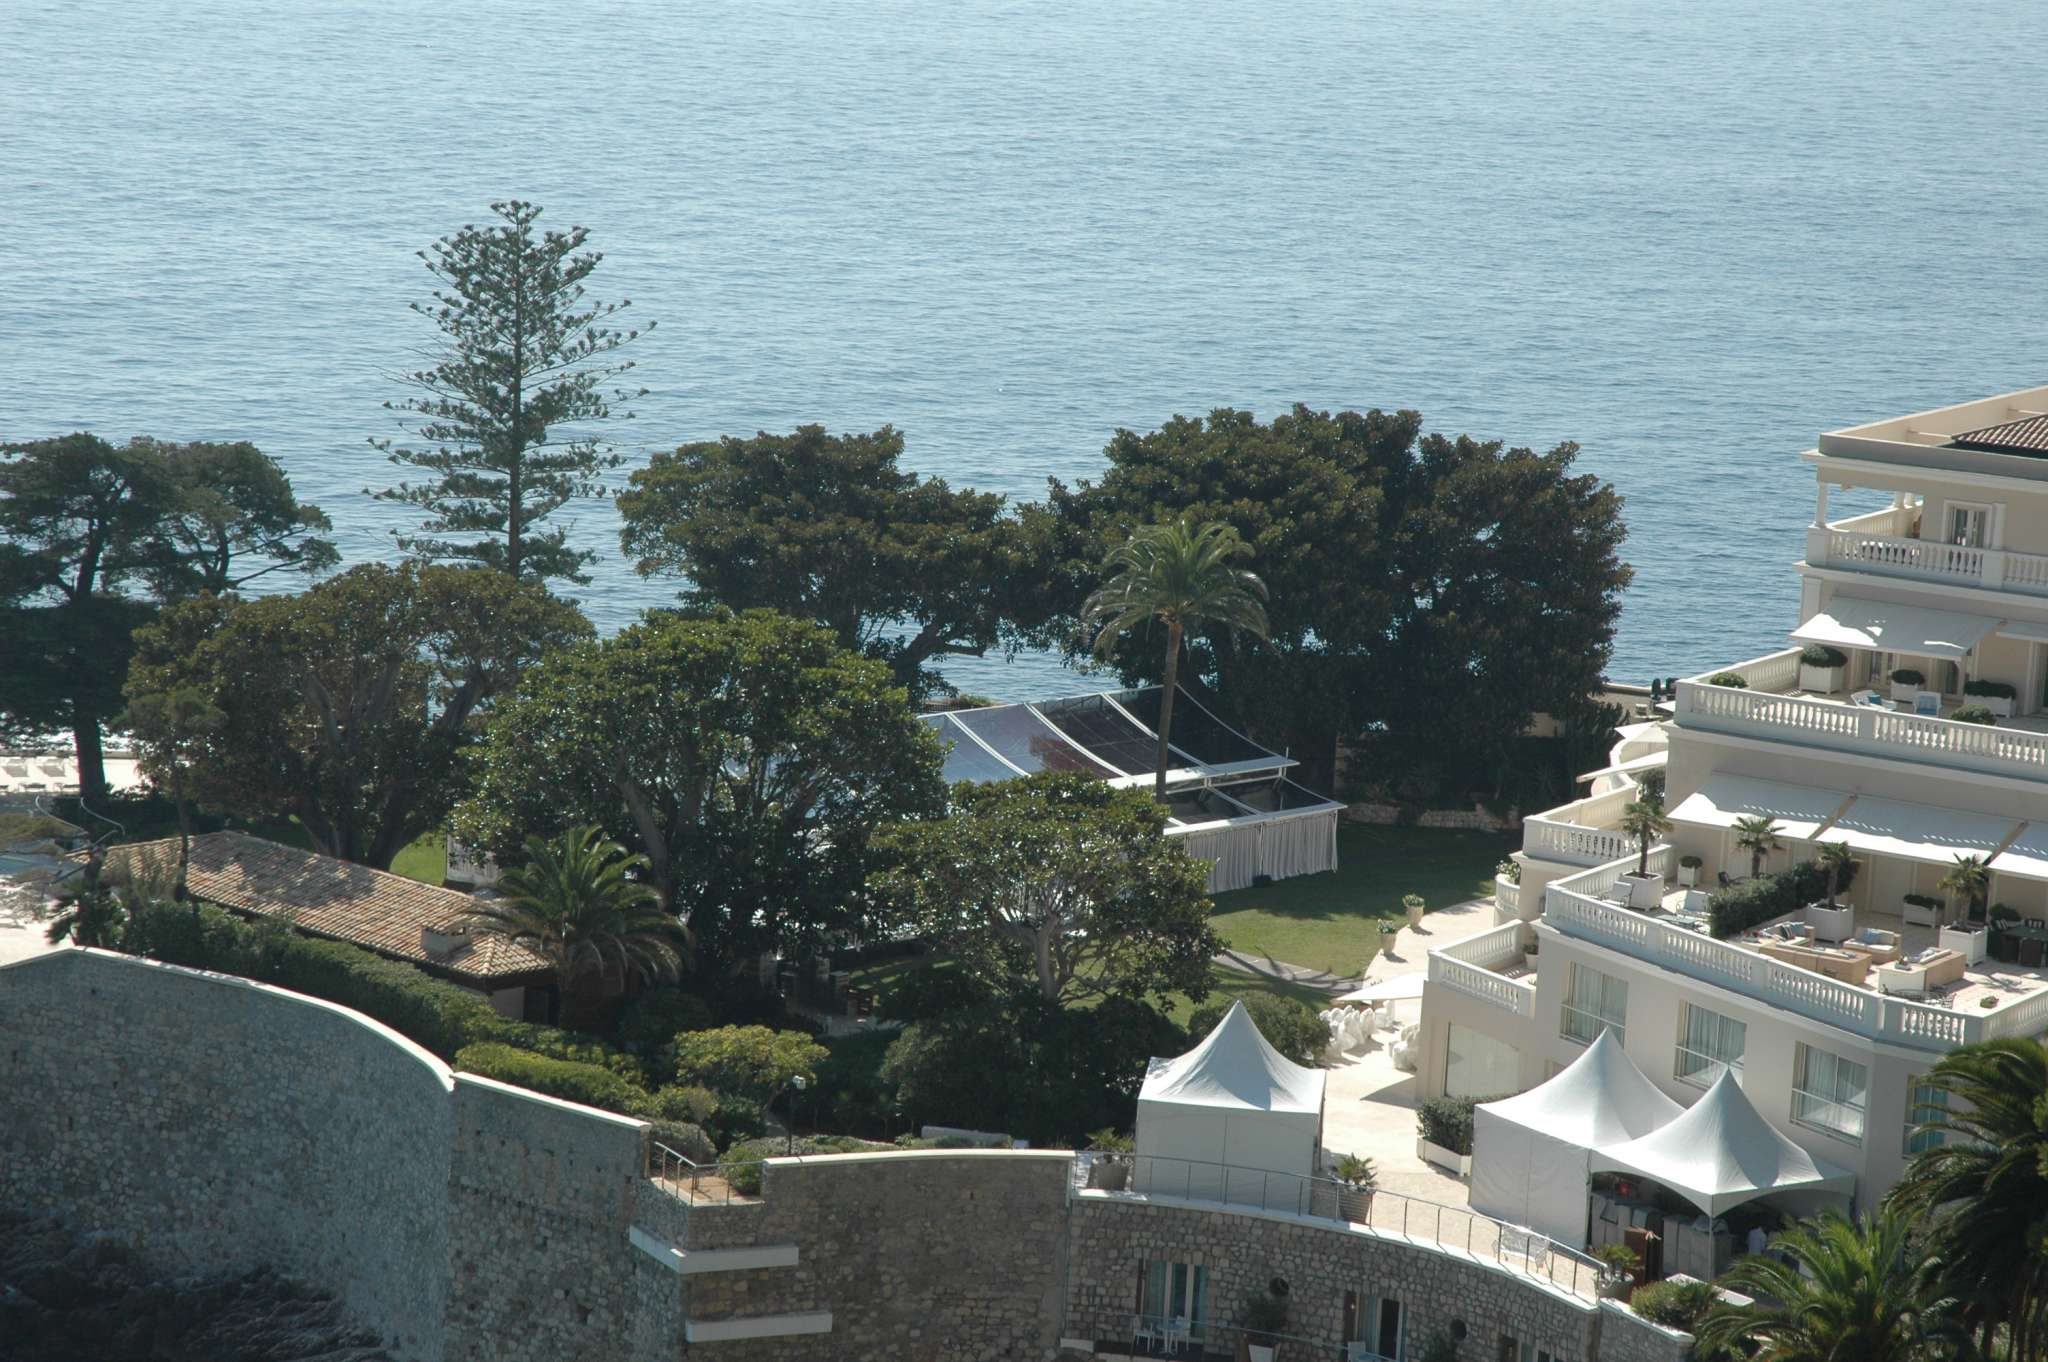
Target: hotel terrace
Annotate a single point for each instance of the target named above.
(1935, 603)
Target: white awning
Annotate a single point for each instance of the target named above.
(1798, 810)
(1388, 990)
(1855, 622)
(1628, 767)
(1919, 832)
(2027, 856)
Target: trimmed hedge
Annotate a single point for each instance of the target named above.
(1974, 714)
(1732, 680)
(564, 1078)
(1756, 901)
(1820, 655)
(2002, 690)
(1675, 1305)
(1447, 1121)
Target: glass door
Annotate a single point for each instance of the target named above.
(1969, 526)
(1177, 1294)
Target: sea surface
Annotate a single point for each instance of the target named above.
(1689, 237)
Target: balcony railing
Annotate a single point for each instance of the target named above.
(1581, 832)
(1866, 729)
(1468, 966)
(1576, 906)
(1849, 546)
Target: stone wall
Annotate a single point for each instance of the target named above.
(945, 1255)
(217, 1129)
(1627, 1337)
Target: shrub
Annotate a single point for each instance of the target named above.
(1733, 680)
(2001, 913)
(1999, 689)
(850, 1093)
(1974, 714)
(1447, 1121)
(1907, 676)
(1691, 862)
(656, 1017)
(1820, 655)
(686, 1139)
(1509, 870)
(736, 1118)
(930, 991)
(742, 1163)
(1736, 910)
(1289, 1026)
(564, 1078)
(1675, 1305)
(694, 1106)
(746, 1061)
(1922, 900)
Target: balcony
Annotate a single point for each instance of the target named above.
(1582, 832)
(1885, 544)
(1492, 966)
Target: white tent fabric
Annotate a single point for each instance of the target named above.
(1219, 1121)
(1919, 832)
(1401, 986)
(1530, 1153)
(1798, 810)
(1722, 1153)
(1857, 622)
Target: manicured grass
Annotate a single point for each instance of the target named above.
(1331, 922)
(1225, 984)
(425, 860)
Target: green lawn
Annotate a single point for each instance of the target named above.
(425, 860)
(1225, 984)
(1332, 921)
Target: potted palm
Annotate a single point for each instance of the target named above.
(1618, 1267)
(1644, 820)
(1758, 836)
(1822, 668)
(1360, 1180)
(1970, 880)
(1265, 1319)
(1110, 1169)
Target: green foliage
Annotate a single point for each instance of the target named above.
(829, 528)
(747, 756)
(1820, 655)
(678, 1102)
(1109, 1140)
(1732, 680)
(1619, 1259)
(2002, 690)
(234, 519)
(1675, 1305)
(1441, 1347)
(1757, 834)
(349, 706)
(1356, 1172)
(1973, 714)
(1289, 1026)
(525, 357)
(1969, 878)
(931, 991)
(1737, 909)
(1401, 569)
(1644, 821)
(851, 1094)
(742, 1162)
(572, 1082)
(650, 1022)
(1059, 883)
(692, 1141)
(1907, 676)
(1447, 1122)
(21, 826)
(746, 1061)
(1265, 1315)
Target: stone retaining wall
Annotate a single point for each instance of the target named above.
(1465, 819)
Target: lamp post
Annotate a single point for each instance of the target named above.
(799, 1082)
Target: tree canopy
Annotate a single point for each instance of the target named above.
(749, 757)
(235, 519)
(1405, 572)
(1060, 885)
(348, 706)
(830, 528)
(500, 425)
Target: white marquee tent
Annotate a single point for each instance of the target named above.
(1721, 1153)
(1531, 1154)
(1232, 1119)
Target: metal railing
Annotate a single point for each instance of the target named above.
(1454, 1230)
(700, 1184)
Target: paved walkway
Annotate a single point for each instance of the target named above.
(23, 920)
(1401, 954)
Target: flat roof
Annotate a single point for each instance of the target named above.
(2002, 436)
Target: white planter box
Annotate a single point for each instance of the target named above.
(1831, 924)
(1644, 891)
(1904, 694)
(1826, 680)
(1460, 1164)
(1259, 1352)
(1918, 916)
(1970, 941)
(1688, 876)
(1997, 704)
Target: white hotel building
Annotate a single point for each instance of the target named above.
(1949, 580)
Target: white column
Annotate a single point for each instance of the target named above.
(1820, 505)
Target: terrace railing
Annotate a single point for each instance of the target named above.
(700, 1184)
(1468, 966)
(1773, 672)
(1453, 1230)
(1581, 832)
(1877, 550)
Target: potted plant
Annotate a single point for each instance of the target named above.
(1110, 1169)
(1443, 1134)
(1265, 1319)
(1360, 1180)
(1757, 835)
(1689, 871)
(1974, 714)
(1412, 905)
(1822, 668)
(1732, 680)
(1618, 1267)
(1996, 696)
(1922, 910)
(1906, 683)
(1644, 820)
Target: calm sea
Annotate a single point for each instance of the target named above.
(1687, 236)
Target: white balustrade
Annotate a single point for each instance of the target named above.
(1507, 894)
(1850, 545)
(1581, 832)
(1516, 995)
(1868, 729)
(1773, 672)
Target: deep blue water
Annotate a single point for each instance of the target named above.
(1688, 237)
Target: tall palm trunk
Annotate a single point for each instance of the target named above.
(1173, 631)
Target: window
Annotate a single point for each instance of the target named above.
(1168, 1292)
(1592, 1004)
(1923, 1104)
(1708, 1043)
(1969, 525)
(1828, 1093)
(1373, 1326)
(1477, 1065)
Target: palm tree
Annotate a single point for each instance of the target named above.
(94, 914)
(1835, 858)
(1644, 820)
(1758, 836)
(1988, 1181)
(1852, 1293)
(1970, 879)
(577, 904)
(1183, 578)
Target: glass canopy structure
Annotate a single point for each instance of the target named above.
(1226, 794)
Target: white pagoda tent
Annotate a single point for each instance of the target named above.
(1532, 1153)
(1721, 1152)
(1232, 1119)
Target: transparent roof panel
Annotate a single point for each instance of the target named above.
(1196, 731)
(1096, 725)
(1274, 796)
(1027, 741)
(1201, 806)
(965, 758)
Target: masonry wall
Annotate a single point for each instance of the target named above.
(218, 1128)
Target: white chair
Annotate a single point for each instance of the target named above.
(1146, 1332)
(1177, 1331)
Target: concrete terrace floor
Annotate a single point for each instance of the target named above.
(23, 920)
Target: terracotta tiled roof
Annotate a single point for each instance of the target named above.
(2026, 436)
(334, 898)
